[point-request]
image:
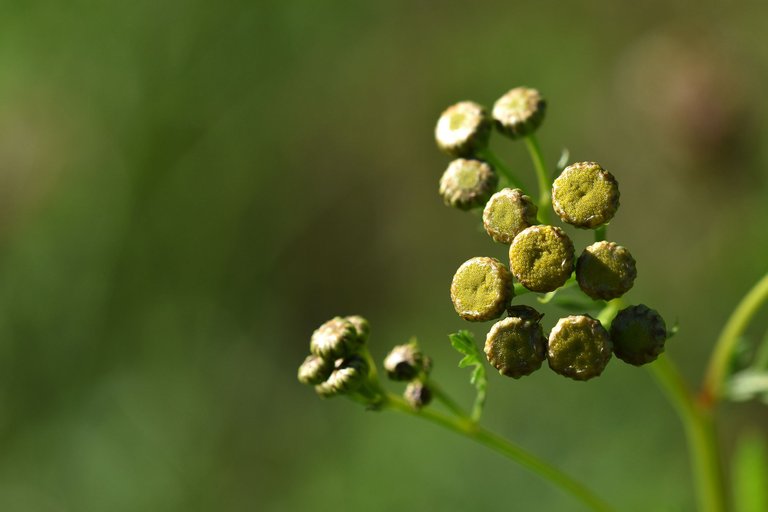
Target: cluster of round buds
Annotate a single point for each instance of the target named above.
(408, 363)
(336, 364)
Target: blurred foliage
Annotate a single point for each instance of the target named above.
(187, 189)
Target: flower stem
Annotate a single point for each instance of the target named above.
(729, 338)
(700, 432)
(464, 426)
(600, 233)
(545, 192)
(490, 157)
(445, 399)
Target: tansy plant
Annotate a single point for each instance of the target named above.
(543, 260)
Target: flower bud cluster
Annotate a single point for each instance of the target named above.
(408, 363)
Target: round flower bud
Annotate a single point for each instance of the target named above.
(481, 289)
(404, 362)
(361, 327)
(605, 270)
(519, 112)
(348, 375)
(467, 184)
(525, 313)
(585, 195)
(516, 346)
(314, 370)
(417, 394)
(335, 338)
(463, 129)
(507, 213)
(638, 334)
(541, 258)
(579, 347)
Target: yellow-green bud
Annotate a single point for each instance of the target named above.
(519, 112)
(524, 312)
(638, 334)
(467, 184)
(585, 195)
(417, 394)
(605, 270)
(481, 289)
(361, 327)
(507, 213)
(348, 375)
(314, 370)
(579, 347)
(463, 129)
(335, 338)
(516, 346)
(404, 362)
(541, 258)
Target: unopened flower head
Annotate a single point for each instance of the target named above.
(481, 289)
(361, 327)
(541, 258)
(524, 312)
(507, 213)
(314, 370)
(348, 375)
(404, 362)
(519, 112)
(638, 334)
(605, 270)
(579, 347)
(463, 129)
(335, 338)
(516, 346)
(585, 195)
(417, 394)
(467, 184)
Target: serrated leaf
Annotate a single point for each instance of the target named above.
(464, 342)
(750, 474)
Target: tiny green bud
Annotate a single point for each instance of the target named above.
(463, 129)
(516, 346)
(605, 270)
(417, 394)
(348, 375)
(361, 327)
(507, 213)
(335, 338)
(541, 258)
(467, 184)
(579, 347)
(519, 112)
(314, 370)
(404, 362)
(525, 313)
(638, 334)
(585, 195)
(481, 289)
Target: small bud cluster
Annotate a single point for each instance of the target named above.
(407, 363)
(542, 258)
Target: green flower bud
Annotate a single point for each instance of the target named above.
(335, 338)
(361, 327)
(348, 375)
(638, 334)
(519, 112)
(481, 289)
(463, 129)
(314, 370)
(579, 347)
(417, 394)
(541, 258)
(467, 184)
(404, 362)
(516, 346)
(525, 313)
(585, 195)
(507, 213)
(605, 270)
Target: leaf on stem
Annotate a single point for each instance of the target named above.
(747, 385)
(464, 342)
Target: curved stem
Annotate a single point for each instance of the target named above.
(545, 192)
(700, 433)
(497, 164)
(729, 337)
(465, 427)
(446, 400)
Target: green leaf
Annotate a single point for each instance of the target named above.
(464, 342)
(562, 163)
(750, 474)
(747, 385)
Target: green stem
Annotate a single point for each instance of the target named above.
(600, 233)
(609, 311)
(545, 192)
(700, 432)
(729, 338)
(490, 157)
(467, 428)
(446, 400)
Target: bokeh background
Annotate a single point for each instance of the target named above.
(188, 188)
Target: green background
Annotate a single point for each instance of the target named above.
(189, 188)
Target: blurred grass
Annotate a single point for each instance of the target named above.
(187, 190)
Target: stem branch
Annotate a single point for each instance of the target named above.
(545, 192)
(497, 164)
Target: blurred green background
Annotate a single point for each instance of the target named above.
(189, 188)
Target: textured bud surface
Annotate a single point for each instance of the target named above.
(467, 184)
(638, 334)
(404, 362)
(507, 213)
(585, 195)
(348, 375)
(541, 258)
(335, 338)
(417, 394)
(463, 129)
(605, 270)
(579, 347)
(361, 327)
(524, 312)
(314, 370)
(516, 346)
(481, 289)
(519, 112)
